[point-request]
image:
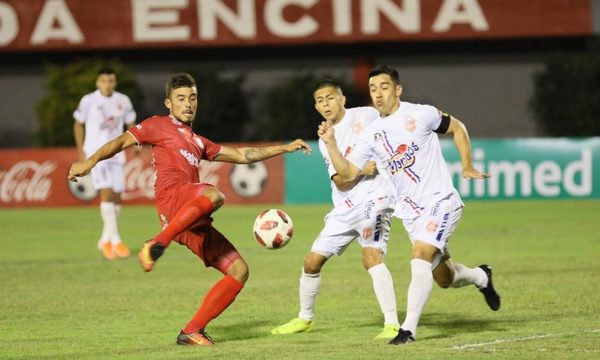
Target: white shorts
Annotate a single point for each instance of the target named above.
(437, 222)
(369, 222)
(109, 176)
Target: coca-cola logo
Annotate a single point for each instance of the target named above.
(26, 181)
(139, 180)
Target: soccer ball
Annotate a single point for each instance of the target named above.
(273, 228)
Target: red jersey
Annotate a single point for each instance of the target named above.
(177, 151)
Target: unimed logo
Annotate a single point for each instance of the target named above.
(528, 178)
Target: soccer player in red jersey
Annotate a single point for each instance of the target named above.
(184, 203)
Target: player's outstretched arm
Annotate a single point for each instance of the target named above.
(463, 144)
(81, 168)
(246, 155)
(346, 171)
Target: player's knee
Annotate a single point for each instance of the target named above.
(215, 196)
(371, 257)
(444, 283)
(239, 271)
(312, 266)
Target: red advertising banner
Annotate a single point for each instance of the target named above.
(38, 177)
(30, 25)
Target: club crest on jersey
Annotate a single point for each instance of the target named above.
(403, 158)
(377, 136)
(410, 124)
(191, 158)
(357, 126)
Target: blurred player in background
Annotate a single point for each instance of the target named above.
(102, 116)
(404, 142)
(184, 203)
(362, 210)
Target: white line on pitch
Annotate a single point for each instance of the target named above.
(509, 340)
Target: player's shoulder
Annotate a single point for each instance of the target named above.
(89, 97)
(367, 112)
(423, 108)
(120, 96)
(156, 120)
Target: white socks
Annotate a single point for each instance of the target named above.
(419, 290)
(110, 231)
(466, 276)
(309, 287)
(384, 291)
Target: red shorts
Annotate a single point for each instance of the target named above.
(202, 238)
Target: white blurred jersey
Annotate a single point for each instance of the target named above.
(406, 147)
(104, 119)
(347, 132)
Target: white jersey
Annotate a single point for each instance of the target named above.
(406, 146)
(347, 133)
(104, 118)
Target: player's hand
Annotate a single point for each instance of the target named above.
(370, 168)
(326, 132)
(79, 168)
(470, 172)
(297, 145)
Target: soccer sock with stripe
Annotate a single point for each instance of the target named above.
(419, 290)
(464, 276)
(384, 291)
(218, 298)
(309, 287)
(189, 214)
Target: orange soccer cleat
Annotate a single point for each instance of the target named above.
(107, 251)
(200, 338)
(150, 252)
(121, 250)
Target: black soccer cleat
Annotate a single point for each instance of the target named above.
(489, 293)
(403, 337)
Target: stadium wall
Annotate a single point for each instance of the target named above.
(520, 169)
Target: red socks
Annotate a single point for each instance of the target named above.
(191, 212)
(218, 298)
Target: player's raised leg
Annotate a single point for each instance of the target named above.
(200, 205)
(455, 275)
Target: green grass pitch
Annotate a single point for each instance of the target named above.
(60, 300)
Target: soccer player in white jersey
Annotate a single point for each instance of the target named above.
(404, 142)
(362, 210)
(100, 117)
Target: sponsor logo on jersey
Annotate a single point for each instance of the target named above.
(403, 158)
(377, 136)
(191, 158)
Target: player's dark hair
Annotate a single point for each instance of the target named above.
(177, 81)
(388, 70)
(327, 83)
(106, 71)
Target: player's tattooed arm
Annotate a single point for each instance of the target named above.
(246, 155)
(256, 154)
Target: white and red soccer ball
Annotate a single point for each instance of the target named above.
(273, 228)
